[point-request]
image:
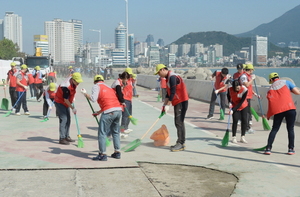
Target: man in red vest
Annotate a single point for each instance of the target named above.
(177, 96)
(21, 88)
(49, 95)
(109, 122)
(38, 82)
(64, 98)
(281, 105)
(12, 81)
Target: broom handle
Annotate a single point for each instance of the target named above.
(228, 123)
(150, 128)
(261, 110)
(92, 109)
(127, 111)
(76, 120)
(18, 99)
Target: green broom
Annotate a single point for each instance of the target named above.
(260, 149)
(134, 144)
(264, 120)
(80, 140)
(253, 112)
(9, 112)
(132, 119)
(221, 110)
(225, 139)
(107, 141)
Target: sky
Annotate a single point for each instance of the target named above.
(165, 19)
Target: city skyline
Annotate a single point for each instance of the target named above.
(167, 20)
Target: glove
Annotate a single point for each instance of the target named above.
(95, 114)
(26, 87)
(165, 108)
(230, 105)
(83, 91)
(124, 104)
(230, 112)
(253, 76)
(258, 96)
(216, 91)
(74, 111)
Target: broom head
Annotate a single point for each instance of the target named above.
(225, 139)
(266, 124)
(133, 120)
(253, 112)
(260, 149)
(8, 113)
(80, 142)
(221, 114)
(45, 119)
(132, 145)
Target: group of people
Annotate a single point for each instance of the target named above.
(239, 91)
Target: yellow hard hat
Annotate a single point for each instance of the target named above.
(249, 67)
(77, 77)
(98, 78)
(129, 70)
(37, 68)
(52, 86)
(13, 64)
(24, 66)
(159, 67)
(70, 67)
(133, 76)
(272, 75)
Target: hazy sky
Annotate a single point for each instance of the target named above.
(166, 19)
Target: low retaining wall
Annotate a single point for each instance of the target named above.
(201, 90)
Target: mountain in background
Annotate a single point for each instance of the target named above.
(283, 29)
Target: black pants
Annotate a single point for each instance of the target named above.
(39, 90)
(179, 115)
(290, 117)
(213, 100)
(249, 115)
(22, 101)
(13, 96)
(240, 115)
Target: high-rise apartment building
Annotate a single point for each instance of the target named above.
(41, 41)
(150, 40)
(173, 48)
(184, 49)
(131, 48)
(197, 49)
(260, 50)
(161, 42)
(12, 28)
(78, 35)
(219, 50)
(153, 56)
(61, 40)
(119, 55)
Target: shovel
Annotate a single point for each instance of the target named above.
(5, 102)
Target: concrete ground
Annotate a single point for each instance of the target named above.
(32, 163)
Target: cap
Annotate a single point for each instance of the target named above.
(37, 68)
(129, 70)
(239, 66)
(159, 67)
(52, 86)
(272, 75)
(70, 67)
(77, 77)
(13, 64)
(134, 76)
(249, 67)
(24, 66)
(98, 78)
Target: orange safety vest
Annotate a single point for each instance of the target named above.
(59, 93)
(181, 92)
(127, 90)
(30, 78)
(37, 79)
(163, 82)
(24, 81)
(12, 78)
(51, 74)
(280, 98)
(237, 75)
(220, 81)
(51, 94)
(236, 97)
(107, 97)
(250, 87)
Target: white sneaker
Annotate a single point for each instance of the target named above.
(250, 122)
(239, 122)
(27, 113)
(250, 131)
(243, 140)
(127, 131)
(123, 135)
(18, 114)
(14, 109)
(234, 140)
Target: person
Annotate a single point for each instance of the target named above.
(111, 111)
(163, 86)
(38, 82)
(281, 105)
(12, 81)
(220, 88)
(238, 108)
(64, 99)
(134, 82)
(49, 95)
(31, 85)
(21, 88)
(71, 71)
(239, 72)
(177, 96)
(118, 86)
(52, 77)
(247, 79)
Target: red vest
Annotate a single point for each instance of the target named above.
(220, 81)
(127, 91)
(51, 94)
(37, 79)
(237, 75)
(181, 92)
(12, 78)
(107, 97)
(236, 97)
(30, 78)
(163, 83)
(24, 81)
(59, 93)
(250, 88)
(51, 74)
(280, 98)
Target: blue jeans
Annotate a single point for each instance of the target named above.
(64, 120)
(290, 117)
(109, 122)
(125, 119)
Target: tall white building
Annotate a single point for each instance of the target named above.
(173, 48)
(61, 40)
(1, 29)
(12, 28)
(219, 50)
(78, 35)
(260, 50)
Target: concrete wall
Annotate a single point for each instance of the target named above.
(201, 90)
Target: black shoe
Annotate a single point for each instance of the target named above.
(64, 142)
(116, 155)
(100, 157)
(177, 147)
(69, 139)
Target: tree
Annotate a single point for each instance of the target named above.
(8, 49)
